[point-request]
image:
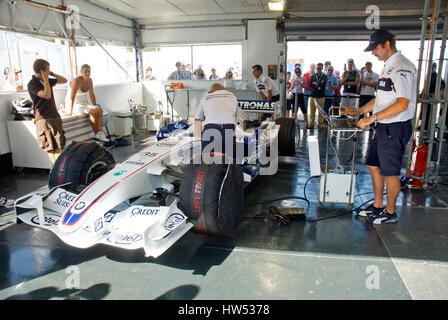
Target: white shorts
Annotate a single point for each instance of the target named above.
(82, 108)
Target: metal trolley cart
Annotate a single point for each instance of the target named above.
(338, 185)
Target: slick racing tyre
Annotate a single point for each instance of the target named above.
(81, 163)
(288, 137)
(212, 197)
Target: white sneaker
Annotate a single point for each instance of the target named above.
(100, 135)
(6, 202)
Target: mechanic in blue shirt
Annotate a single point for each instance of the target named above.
(332, 83)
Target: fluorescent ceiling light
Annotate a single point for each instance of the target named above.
(276, 5)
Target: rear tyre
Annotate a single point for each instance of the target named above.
(288, 136)
(81, 163)
(212, 197)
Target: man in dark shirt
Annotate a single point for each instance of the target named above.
(350, 81)
(318, 82)
(50, 135)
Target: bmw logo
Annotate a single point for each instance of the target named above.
(80, 205)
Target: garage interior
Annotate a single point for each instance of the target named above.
(330, 255)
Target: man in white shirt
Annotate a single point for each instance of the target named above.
(393, 108)
(368, 82)
(217, 113)
(265, 86)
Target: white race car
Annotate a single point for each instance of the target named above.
(154, 197)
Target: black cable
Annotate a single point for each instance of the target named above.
(304, 188)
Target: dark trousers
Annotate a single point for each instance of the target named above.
(222, 132)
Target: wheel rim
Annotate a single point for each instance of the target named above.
(296, 138)
(95, 170)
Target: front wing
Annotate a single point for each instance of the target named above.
(153, 228)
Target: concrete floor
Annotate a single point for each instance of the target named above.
(336, 258)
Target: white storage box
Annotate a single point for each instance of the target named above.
(122, 123)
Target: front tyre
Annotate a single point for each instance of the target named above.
(81, 163)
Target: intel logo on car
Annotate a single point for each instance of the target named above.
(49, 220)
(173, 221)
(125, 239)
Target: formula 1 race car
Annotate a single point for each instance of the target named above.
(155, 196)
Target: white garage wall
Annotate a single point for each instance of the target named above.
(261, 48)
(112, 98)
(186, 35)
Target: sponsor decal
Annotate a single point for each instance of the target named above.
(142, 211)
(165, 144)
(136, 163)
(80, 205)
(119, 173)
(256, 105)
(125, 239)
(198, 191)
(98, 224)
(385, 84)
(150, 154)
(65, 199)
(108, 216)
(50, 220)
(173, 221)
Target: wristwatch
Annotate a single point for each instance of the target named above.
(374, 119)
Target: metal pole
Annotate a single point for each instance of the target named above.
(431, 126)
(419, 74)
(422, 42)
(101, 46)
(437, 96)
(137, 48)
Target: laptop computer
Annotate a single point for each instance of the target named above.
(344, 123)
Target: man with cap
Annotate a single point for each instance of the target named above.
(393, 108)
(179, 74)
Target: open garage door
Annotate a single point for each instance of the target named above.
(350, 28)
(354, 20)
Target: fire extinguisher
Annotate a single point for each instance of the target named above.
(420, 164)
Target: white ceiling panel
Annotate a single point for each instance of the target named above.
(162, 12)
(243, 6)
(197, 7)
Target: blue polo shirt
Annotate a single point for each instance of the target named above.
(329, 91)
